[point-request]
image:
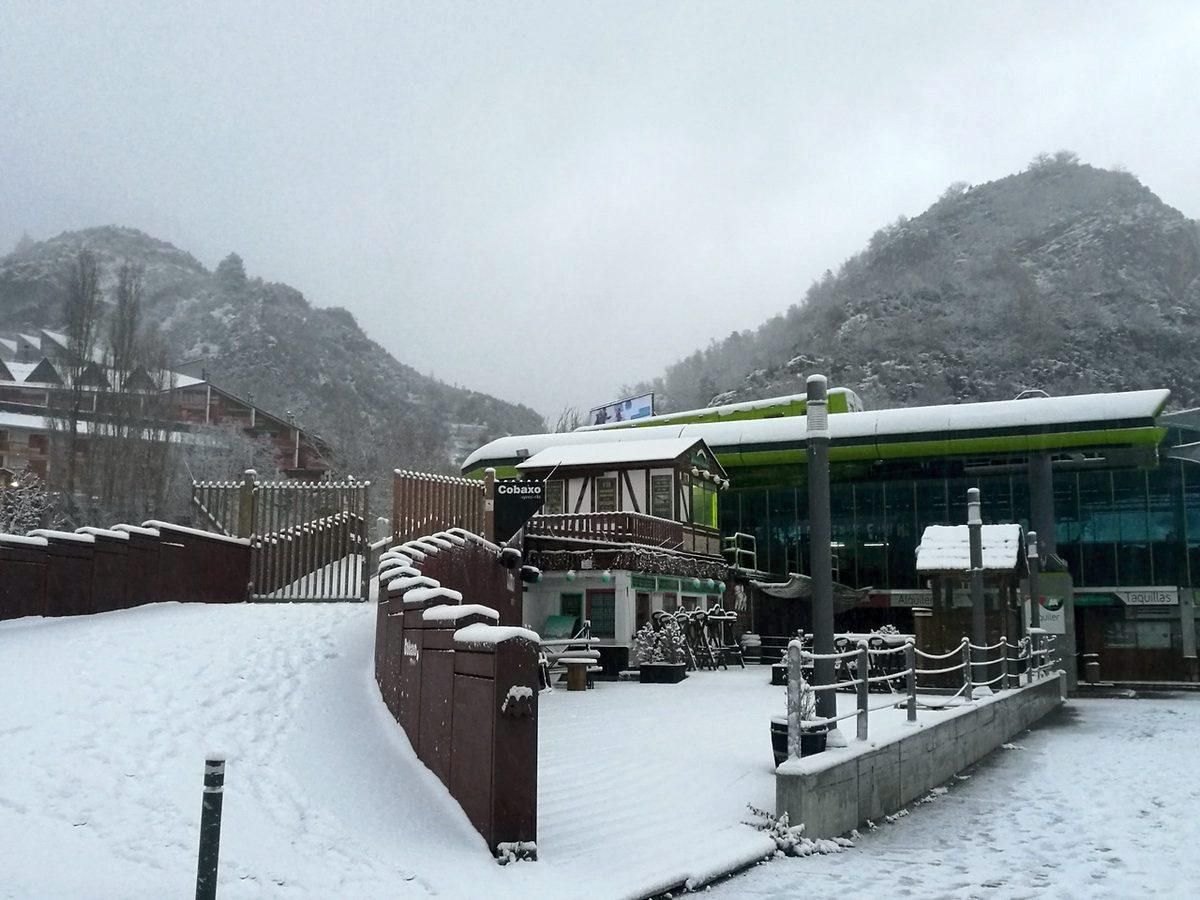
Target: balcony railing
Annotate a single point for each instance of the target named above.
(627, 528)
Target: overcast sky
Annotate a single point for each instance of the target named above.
(545, 201)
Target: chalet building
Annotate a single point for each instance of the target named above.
(28, 389)
(627, 529)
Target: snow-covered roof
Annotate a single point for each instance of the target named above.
(604, 454)
(947, 548)
(944, 422)
(8, 344)
(22, 421)
(31, 339)
(21, 371)
(57, 337)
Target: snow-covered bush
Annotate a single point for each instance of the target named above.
(645, 646)
(789, 839)
(671, 646)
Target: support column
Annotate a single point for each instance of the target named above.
(820, 549)
(1035, 571)
(979, 673)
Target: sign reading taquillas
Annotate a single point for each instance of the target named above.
(1148, 596)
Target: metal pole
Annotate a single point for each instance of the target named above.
(978, 613)
(864, 670)
(1035, 570)
(910, 679)
(795, 688)
(210, 829)
(1004, 685)
(969, 690)
(820, 551)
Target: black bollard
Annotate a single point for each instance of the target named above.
(210, 829)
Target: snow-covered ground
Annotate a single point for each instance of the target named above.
(1099, 801)
(105, 721)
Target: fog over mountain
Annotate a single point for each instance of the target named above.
(1064, 277)
(266, 340)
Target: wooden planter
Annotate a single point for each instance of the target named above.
(812, 738)
(662, 673)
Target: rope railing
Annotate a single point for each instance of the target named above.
(861, 668)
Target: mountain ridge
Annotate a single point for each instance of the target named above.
(267, 340)
(1064, 277)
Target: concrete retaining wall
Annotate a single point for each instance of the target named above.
(840, 789)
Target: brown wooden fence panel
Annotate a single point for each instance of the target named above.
(423, 504)
(22, 579)
(469, 708)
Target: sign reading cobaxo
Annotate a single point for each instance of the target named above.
(516, 504)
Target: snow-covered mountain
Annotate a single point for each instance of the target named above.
(264, 339)
(1064, 277)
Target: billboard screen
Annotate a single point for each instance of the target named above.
(623, 410)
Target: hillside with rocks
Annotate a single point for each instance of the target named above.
(265, 340)
(1064, 277)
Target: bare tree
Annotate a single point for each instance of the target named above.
(81, 309)
(568, 419)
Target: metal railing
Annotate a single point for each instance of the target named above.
(858, 670)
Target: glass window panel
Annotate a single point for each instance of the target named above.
(902, 534)
(1098, 564)
(606, 495)
(602, 611)
(785, 530)
(554, 497)
(1098, 520)
(1129, 499)
(662, 496)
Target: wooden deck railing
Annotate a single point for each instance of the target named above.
(626, 528)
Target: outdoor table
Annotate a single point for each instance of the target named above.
(891, 640)
(577, 671)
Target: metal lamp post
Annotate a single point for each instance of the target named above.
(978, 614)
(1035, 567)
(820, 551)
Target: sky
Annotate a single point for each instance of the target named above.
(548, 201)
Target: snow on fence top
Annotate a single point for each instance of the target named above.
(426, 593)
(137, 529)
(482, 635)
(63, 535)
(183, 529)
(23, 540)
(461, 611)
(947, 548)
(1106, 410)
(103, 532)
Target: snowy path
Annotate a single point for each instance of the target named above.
(104, 723)
(1100, 801)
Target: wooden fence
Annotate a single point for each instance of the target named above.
(464, 689)
(424, 503)
(64, 573)
(309, 539)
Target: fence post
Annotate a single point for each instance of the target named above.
(489, 504)
(210, 828)
(966, 656)
(364, 565)
(1004, 685)
(863, 670)
(795, 689)
(245, 526)
(910, 679)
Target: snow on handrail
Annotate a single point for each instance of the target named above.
(955, 652)
(938, 671)
(807, 654)
(986, 647)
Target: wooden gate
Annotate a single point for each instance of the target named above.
(308, 539)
